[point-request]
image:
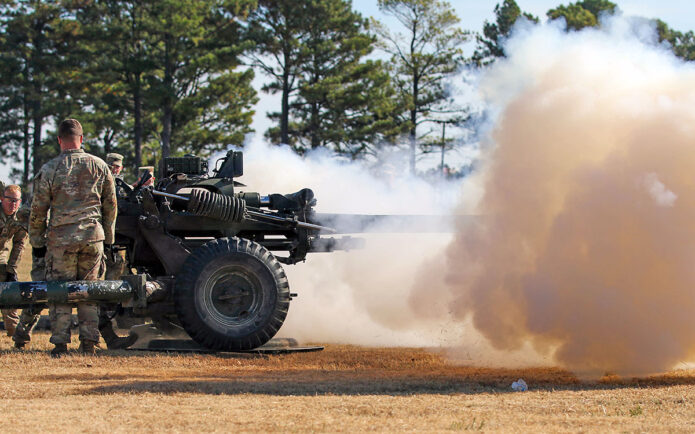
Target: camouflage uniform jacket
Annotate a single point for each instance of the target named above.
(122, 187)
(11, 229)
(79, 190)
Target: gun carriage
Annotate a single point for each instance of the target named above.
(202, 255)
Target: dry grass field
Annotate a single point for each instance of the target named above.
(348, 389)
(340, 389)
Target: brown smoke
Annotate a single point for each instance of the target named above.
(586, 244)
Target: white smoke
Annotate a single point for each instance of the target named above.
(360, 296)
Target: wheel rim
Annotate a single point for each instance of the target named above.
(232, 296)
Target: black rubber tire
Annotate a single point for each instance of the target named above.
(231, 295)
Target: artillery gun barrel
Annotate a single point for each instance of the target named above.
(258, 214)
(20, 294)
(394, 223)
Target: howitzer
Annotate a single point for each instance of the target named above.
(212, 254)
(202, 256)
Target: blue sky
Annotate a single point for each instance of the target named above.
(679, 14)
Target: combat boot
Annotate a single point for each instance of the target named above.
(19, 345)
(88, 347)
(121, 343)
(59, 350)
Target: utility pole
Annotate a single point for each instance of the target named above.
(443, 142)
(441, 165)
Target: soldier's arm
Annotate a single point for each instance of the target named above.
(18, 241)
(39, 210)
(109, 208)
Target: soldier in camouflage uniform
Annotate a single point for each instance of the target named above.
(78, 188)
(11, 230)
(30, 315)
(115, 264)
(4, 250)
(115, 162)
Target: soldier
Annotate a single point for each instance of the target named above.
(115, 263)
(4, 250)
(78, 188)
(115, 162)
(30, 315)
(10, 229)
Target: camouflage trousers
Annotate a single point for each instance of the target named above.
(9, 316)
(27, 321)
(115, 266)
(78, 262)
(30, 315)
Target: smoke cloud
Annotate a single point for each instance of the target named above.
(360, 296)
(583, 251)
(586, 241)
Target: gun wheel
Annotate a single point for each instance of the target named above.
(231, 295)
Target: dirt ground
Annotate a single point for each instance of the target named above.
(342, 388)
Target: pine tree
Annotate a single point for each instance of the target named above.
(38, 67)
(118, 98)
(490, 43)
(280, 29)
(205, 103)
(682, 44)
(338, 93)
(331, 97)
(583, 13)
(423, 59)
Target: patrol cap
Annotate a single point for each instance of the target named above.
(114, 159)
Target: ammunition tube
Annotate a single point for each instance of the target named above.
(20, 294)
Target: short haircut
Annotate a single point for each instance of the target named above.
(14, 188)
(69, 128)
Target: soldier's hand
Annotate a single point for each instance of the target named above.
(38, 252)
(10, 277)
(145, 180)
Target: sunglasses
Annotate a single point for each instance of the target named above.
(12, 199)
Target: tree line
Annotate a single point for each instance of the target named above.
(154, 78)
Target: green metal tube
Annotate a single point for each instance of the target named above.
(20, 294)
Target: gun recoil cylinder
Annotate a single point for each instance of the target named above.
(217, 206)
(222, 207)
